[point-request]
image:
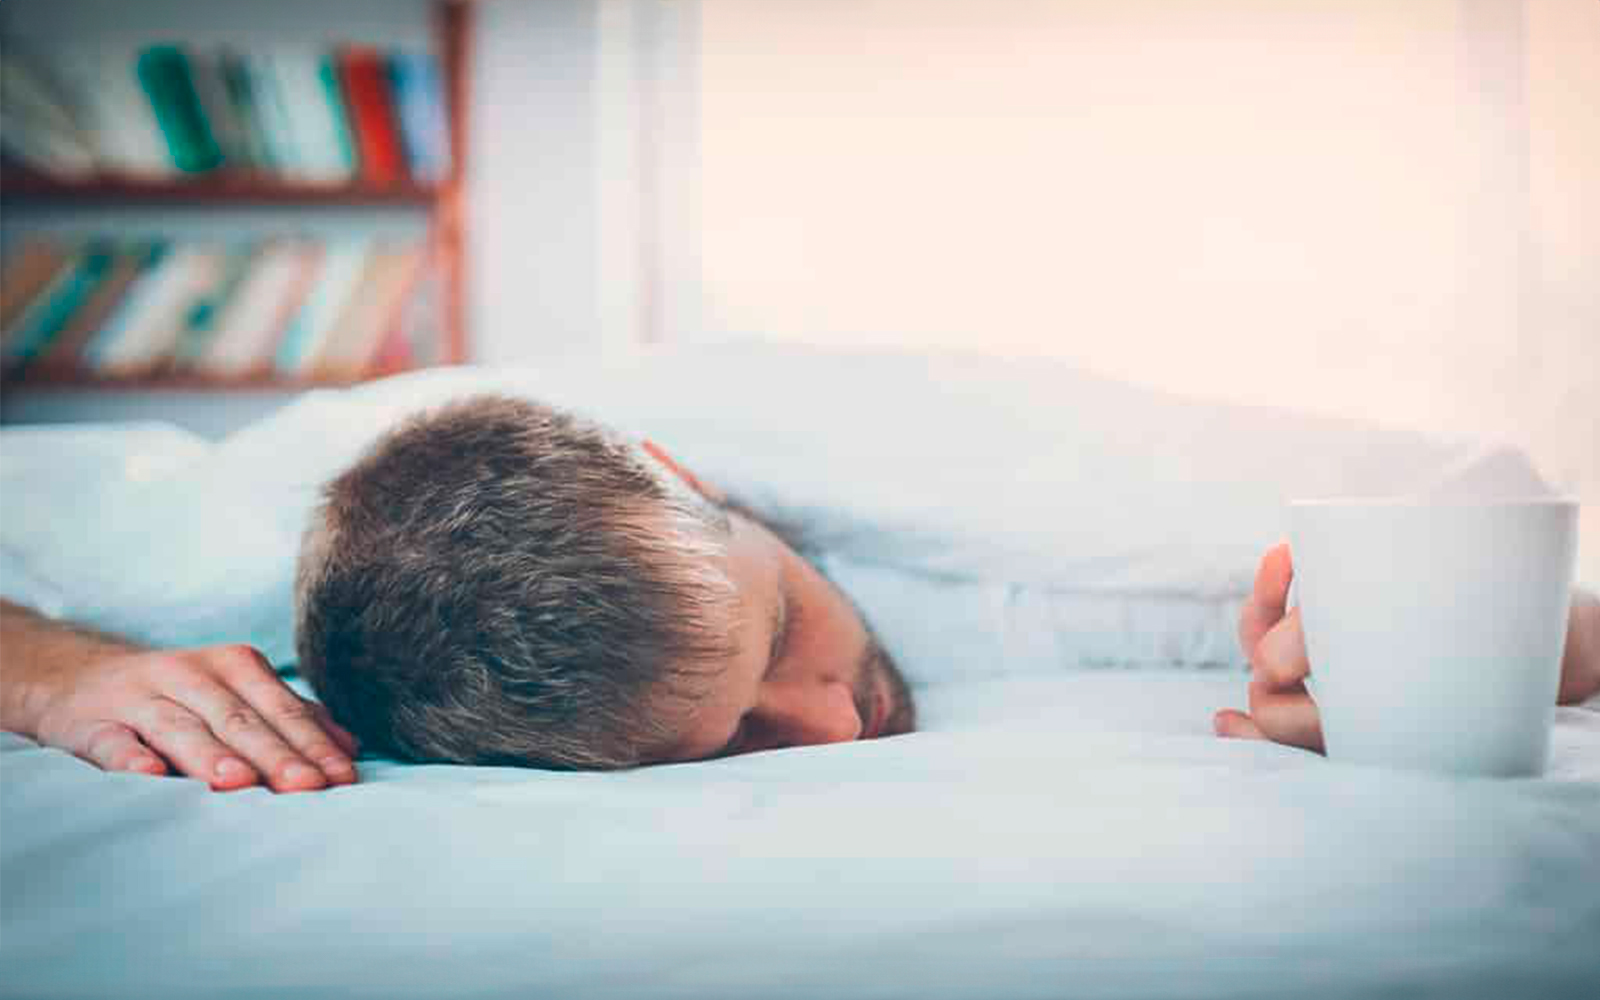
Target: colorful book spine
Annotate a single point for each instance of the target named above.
(148, 326)
(205, 321)
(420, 107)
(168, 80)
(216, 107)
(259, 312)
(240, 89)
(28, 270)
(366, 92)
(316, 122)
(338, 276)
(38, 123)
(64, 357)
(52, 311)
(117, 113)
(344, 140)
(350, 352)
(273, 115)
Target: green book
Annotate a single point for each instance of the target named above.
(168, 81)
(48, 316)
(236, 79)
(328, 74)
(201, 324)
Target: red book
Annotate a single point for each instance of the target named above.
(364, 75)
(394, 353)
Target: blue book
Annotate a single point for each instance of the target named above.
(419, 106)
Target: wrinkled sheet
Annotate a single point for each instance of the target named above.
(1079, 835)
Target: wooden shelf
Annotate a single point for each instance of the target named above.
(180, 382)
(221, 188)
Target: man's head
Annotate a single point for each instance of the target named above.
(498, 582)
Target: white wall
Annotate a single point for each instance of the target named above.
(1322, 203)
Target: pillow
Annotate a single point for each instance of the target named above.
(989, 515)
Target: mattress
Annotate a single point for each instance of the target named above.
(1074, 835)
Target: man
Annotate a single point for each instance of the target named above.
(497, 582)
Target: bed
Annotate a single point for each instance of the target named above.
(1057, 561)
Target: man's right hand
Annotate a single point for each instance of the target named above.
(216, 713)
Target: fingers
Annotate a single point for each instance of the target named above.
(1286, 715)
(242, 727)
(295, 719)
(220, 714)
(276, 730)
(344, 737)
(184, 739)
(112, 746)
(1235, 725)
(1265, 605)
(1279, 659)
(1273, 576)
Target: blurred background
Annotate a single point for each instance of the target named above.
(1370, 208)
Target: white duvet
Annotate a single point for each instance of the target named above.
(1029, 540)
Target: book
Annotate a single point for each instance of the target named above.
(421, 329)
(336, 278)
(315, 119)
(333, 95)
(349, 352)
(365, 82)
(420, 109)
(259, 312)
(118, 115)
(63, 358)
(165, 73)
(239, 84)
(146, 328)
(216, 107)
(50, 311)
(28, 269)
(273, 115)
(40, 126)
(204, 323)
(139, 290)
(394, 352)
(30, 93)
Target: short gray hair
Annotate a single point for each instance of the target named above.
(496, 581)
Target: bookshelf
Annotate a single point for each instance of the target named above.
(440, 200)
(23, 186)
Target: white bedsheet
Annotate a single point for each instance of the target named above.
(1054, 831)
(1079, 835)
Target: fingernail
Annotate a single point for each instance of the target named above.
(146, 765)
(230, 767)
(336, 767)
(298, 773)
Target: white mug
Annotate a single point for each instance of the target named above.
(1435, 629)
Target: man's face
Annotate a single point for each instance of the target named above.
(808, 669)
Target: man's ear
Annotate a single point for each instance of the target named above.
(659, 454)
